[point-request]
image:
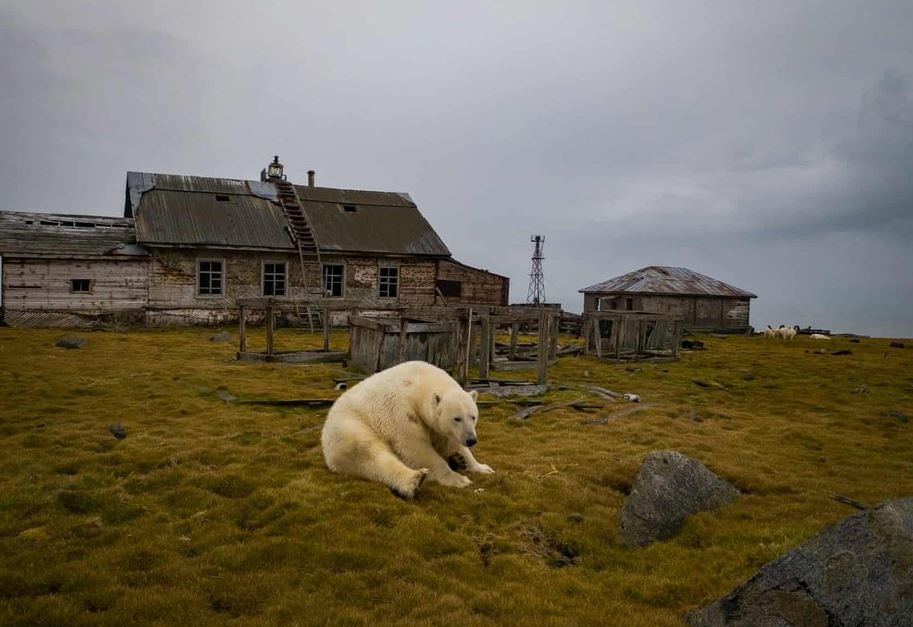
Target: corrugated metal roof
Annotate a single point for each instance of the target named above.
(668, 280)
(181, 218)
(184, 211)
(62, 235)
(377, 222)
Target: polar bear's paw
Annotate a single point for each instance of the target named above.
(454, 480)
(412, 485)
(483, 469)
(456, 462)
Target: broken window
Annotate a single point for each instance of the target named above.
(350, 208)
(629, 304)
(81, 286)
(333, 275)
(210, 277)
(388, 282)
(450, 289)
(222, 197)
(274, 275)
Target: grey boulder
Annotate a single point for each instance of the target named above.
(857, 572)
(70, 342)
(669, 487)
(220, 337)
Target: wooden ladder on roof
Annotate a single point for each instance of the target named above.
(306, 242)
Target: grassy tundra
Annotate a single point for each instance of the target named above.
(218, 513)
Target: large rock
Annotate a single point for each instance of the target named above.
(858, 572)
(669, 488)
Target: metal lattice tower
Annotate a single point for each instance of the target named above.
(536, 294)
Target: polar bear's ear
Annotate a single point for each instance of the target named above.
(474, 394)
(437, 398)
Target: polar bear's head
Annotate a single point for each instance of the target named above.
(455, 415)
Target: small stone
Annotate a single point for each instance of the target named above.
(220, 337)
(748, 376)
(70, 342)
(576, 517)
(896, 345)
(118, 431)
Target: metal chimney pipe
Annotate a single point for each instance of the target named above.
(311, 176)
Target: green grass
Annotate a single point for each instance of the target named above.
(218, 513)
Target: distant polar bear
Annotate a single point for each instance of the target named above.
(401, 425)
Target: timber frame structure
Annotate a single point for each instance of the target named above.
(631, 335)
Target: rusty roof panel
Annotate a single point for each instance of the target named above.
(668, 280)
(61, 235)
(179, 218)
(375, 222)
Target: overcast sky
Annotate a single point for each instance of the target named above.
(767, 144)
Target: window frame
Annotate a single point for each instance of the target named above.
(89, 290)
(388, 266)
(285, 277)
(223, 275)
(323, 283)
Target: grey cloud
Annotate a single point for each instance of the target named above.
(747, 141)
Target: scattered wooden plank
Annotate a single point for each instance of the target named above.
(633, 409)
(708, 384)
(848, 501)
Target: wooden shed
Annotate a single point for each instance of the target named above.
(378, 343)
(701, 302)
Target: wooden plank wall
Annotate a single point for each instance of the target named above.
(477, 286)
(34, 284)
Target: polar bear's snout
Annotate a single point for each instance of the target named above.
(471, 441)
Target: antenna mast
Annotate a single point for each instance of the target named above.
(536, 294)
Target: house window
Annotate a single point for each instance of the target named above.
(388, 282)
(333, 274)
(350, 208)
(629, 304)
(222, 197)
(210, 277)
(274, 278)
(450, 289)
(81, 286)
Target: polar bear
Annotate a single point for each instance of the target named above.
(400, 426)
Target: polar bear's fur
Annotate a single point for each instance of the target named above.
(401, 425)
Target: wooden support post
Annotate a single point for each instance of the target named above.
(554, 330)
(326, 329)
(545, 323)
(485, 347)
(242, 329)
(514, 332)
(619, 339)
(597, 336)
(269, 330)
(401, 344)
(676, 337)
(586, 335)
(460, 331)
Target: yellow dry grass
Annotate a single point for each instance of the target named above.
(218, 513)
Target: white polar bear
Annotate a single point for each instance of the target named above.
(401, 425)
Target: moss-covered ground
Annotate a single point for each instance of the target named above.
(211, 512)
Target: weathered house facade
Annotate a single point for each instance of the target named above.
(189, 247)
(702, 302)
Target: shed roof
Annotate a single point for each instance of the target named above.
(63, 235)
(668, 280)
(180, 210)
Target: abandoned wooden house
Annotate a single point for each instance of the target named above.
(189, 247)
(701, 302)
